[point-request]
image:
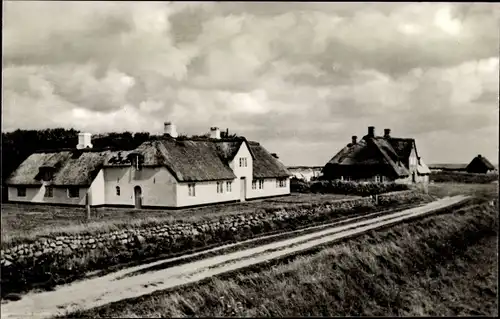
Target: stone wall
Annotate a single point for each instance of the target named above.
(90, 252)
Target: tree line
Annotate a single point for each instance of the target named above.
(16, 146)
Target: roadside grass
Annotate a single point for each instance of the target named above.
(21, 222)
(439, 265)
(481, 191)
(463, 177)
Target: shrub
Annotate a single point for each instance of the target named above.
(463, 177)
(355, 188)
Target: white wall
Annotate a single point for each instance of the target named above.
(36, 195)
(157, 184)
(270, 189)
(206, 193)
(96, 190)
(246, 172)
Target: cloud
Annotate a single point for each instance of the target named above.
(300, 76)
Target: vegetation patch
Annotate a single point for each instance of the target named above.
(463, 177)
(49, 261)
(442, 265)
(345, 187)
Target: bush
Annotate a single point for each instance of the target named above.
(299, 185)
(462, 177)
(355, 188)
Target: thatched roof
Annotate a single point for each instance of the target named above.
(373, 152)
(265, 165)
(480, 164)
(402, 146)
(187, 160)
(76, 167)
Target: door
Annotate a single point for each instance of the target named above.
(414, 177)
(243, 189)
(138, 197)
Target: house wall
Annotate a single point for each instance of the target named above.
(97, 190)
(206, 193)
(36, 195)
(158, 186)
(240, 172)
(270, 189)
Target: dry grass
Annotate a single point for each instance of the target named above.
(439, 266)
(23, 221)
(483, 191)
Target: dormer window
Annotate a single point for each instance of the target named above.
(137, 160)
(46, 173)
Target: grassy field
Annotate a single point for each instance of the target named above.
(21, 221)
(438, 266)
(463, 177)
(483, 191)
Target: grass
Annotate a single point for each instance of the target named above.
(21, 222)
(440, 265)
(482, 191)
(463, 177)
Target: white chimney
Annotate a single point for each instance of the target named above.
(84, 140)
(214, 132)
(169, 128)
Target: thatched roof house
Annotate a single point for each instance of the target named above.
(480, 164)
(187, 160)
(387, 157)
(163, 171)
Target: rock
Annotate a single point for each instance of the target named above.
(38, 254)
(100, 245)
(140, 239)
(91, 241)
(52, 245)
(94, 246)
(59, 243)
(73, 246)
(67, 251)
(47, 250)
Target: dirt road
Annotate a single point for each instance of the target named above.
(137, 281)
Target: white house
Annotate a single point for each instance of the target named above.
(378, 159)
(166, 172)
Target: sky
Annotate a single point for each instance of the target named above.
(299, 77)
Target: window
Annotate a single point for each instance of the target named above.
(191, 189)
(261, 184)
(73, 192)
(377, 179)
(117, 190)
(220, 187)
(229, 186)
(254, 184)
(243, 162)
(21, 192)
(49, 191)
(281, 183)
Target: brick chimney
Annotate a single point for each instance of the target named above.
(84, 141)
(215, 133)
(387, 133)
(170, 129)
(371, 131)
(354, 139)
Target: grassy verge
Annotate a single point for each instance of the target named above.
(463, 177)
(24, 222)
(481, 191)
(440, 265)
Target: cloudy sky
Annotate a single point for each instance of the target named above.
(301, 78)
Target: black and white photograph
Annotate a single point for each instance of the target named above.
(249, 159)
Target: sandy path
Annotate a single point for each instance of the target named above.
(111, 288)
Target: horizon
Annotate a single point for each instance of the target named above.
(299, 78)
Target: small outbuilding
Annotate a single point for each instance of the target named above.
(480, 164)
